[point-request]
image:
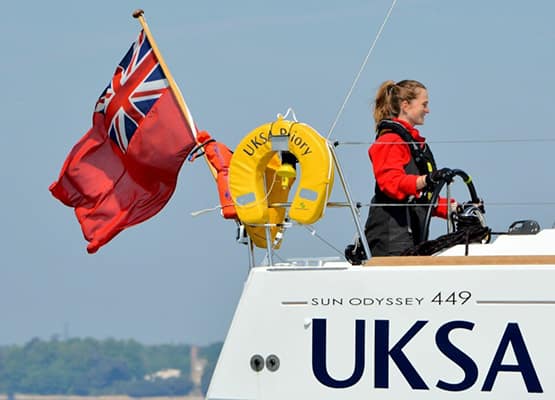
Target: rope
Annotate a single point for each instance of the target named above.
(350, 92)
(205, 210)
(289, 111)
(469, 230)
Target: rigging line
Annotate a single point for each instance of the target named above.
(461, 141)
(350, 92)
(314, 233)
(486, 204)
(275, 255)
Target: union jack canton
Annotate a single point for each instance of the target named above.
(137, 83)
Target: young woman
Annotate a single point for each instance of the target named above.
(404, 169)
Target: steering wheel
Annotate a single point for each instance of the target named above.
(474, 199)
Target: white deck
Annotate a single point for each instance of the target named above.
(543, 243)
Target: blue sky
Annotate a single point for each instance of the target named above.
(488, 66)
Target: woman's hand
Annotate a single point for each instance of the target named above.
(421, 182)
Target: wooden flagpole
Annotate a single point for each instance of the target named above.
(138, 14)
(173, 86)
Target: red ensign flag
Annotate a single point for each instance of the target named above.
(124, 170)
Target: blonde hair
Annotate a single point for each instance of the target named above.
(389, 96)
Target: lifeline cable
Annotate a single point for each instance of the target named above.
(350, 92)
(489, 204)
(458, 141)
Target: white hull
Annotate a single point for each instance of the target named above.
(472, 331)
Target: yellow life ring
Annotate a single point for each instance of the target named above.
(252, 193)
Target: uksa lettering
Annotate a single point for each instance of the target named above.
(386, 353)
(260, 139)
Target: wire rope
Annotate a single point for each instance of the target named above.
(361, 69)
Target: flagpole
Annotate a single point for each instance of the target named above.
(138, 14)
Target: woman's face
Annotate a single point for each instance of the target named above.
(415, 110)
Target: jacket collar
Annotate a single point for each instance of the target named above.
(411, 129)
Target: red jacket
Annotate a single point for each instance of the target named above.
(389, 156)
